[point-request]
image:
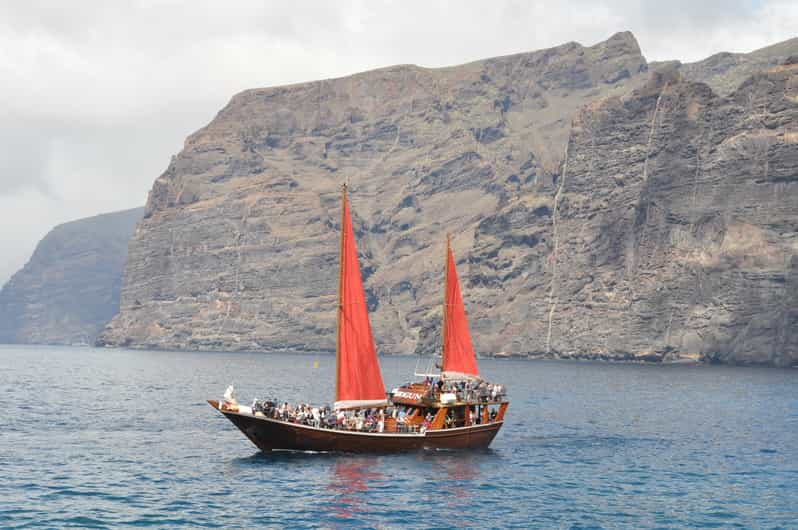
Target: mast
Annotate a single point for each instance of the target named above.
(340, 300)
(445, 299)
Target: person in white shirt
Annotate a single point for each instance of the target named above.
(381, 421)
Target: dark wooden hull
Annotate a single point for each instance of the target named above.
(268, 434)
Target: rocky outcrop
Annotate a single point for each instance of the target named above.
(70, 287)
(724, 72)
(673, 232)
(238, 247)
(562, 175)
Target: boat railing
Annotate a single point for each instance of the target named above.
(330, 422)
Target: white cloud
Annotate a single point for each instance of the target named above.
(96, 96)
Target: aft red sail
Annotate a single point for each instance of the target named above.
(459, 360)
(358, 381)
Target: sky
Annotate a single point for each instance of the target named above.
(96, 96)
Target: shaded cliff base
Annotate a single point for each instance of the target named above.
(660, 357)
(649, 357)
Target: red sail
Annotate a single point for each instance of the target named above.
(459, 360)
(359, 383)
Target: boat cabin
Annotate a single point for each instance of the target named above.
(431, 407)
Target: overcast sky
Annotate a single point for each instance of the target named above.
(96, 96)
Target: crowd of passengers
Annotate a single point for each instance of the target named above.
(477, 391)
(365, 420)
(373, 420)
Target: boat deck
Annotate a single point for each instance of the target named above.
(269, 434)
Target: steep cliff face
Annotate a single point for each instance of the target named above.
(673, 231)
(570, 226)
(70, 287)
(238, 247)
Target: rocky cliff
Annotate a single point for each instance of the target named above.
(673, 230)
(70, 287)
(724, 72)
(596, 209)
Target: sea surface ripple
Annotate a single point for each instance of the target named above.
(95, 438)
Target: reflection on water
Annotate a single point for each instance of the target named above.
(461, 472)
(350, 482)
(355, 479)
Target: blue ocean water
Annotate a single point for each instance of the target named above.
(112, 438)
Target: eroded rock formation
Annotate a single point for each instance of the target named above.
(597, 209)
(673, 228)
(69, 289)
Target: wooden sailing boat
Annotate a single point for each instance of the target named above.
(460, 411)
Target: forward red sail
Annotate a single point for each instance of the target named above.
(459, 360)
(358, 381)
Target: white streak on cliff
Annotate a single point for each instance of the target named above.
(553, 295)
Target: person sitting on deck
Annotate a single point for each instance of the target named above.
(400, 419)
(427, 422)
(327, 419)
